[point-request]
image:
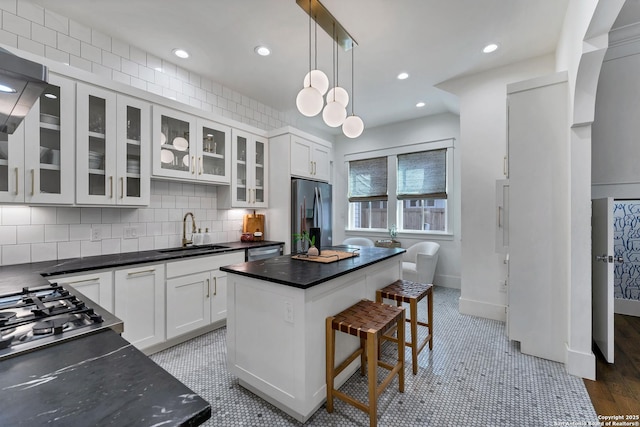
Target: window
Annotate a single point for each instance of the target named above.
(408, 189)
(368, 193)
(422, 191)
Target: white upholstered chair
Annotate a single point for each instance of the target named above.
(419, 262)
(358, 241)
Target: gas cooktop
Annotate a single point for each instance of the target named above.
(41, 316)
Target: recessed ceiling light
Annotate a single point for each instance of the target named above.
(403, 76)
(7, 89)
(490, 48)
(181, 53)
(420, 104)
(50, 96)
(262, 50)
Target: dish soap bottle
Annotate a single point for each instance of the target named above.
(208, 238)
(197, 237)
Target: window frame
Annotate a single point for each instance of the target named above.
(393, 210)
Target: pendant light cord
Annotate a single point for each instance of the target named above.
(353, 97)
(310, 74)
(334, 51)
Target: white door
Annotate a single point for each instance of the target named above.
(602, 275)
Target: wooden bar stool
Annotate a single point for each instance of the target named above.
(367, 320)
(411, 292)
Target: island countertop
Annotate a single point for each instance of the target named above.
(304, 274)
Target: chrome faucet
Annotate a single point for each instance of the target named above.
(185, 241)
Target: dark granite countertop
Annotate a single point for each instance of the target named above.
(305, 274)
(17, 276)
(97, 380)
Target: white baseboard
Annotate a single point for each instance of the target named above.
(581, 364)
(630, 307)
(446, 281)
(482, 309)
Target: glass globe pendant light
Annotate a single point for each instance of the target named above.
(353, 125)
(334, 112)
(309, 100)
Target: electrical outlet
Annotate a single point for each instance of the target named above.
(130, 232)
(96, 234)
(288, 312)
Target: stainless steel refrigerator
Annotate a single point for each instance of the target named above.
(310, 208)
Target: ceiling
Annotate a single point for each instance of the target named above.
(432, 40)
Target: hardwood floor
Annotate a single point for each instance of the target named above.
(616, 390)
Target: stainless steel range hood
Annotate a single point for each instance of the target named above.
(21, 84)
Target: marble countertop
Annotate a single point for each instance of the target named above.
(98, 379)
(17, 276)
(305, 274)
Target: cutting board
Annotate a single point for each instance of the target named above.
(252, 223)
(327, 256)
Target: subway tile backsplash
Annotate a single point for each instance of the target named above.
(33, 234)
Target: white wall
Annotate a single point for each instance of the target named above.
(426, 129)
(483, 131)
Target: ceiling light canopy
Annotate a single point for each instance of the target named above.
(181, 53)
(403, 76)
(491, 47)
(262, 50)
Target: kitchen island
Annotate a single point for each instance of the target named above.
(276, 311)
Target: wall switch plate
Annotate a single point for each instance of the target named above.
(96, 234)
(288, 312)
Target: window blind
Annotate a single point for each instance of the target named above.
(368, 180)
(422, 175)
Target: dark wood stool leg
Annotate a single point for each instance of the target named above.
(330, 358)
(372, 368)
(401, 342)
(413, 311)
(430, 316)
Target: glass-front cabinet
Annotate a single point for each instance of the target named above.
(214, 160)
(174, 152)
(36, 161)
(112, 148)
(188, 147)
(249, 165)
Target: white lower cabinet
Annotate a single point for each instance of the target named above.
(96, 286)
(139, 303)
(197, 292)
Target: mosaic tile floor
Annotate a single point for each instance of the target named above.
(473, 377)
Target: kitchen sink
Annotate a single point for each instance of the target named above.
(203, 248)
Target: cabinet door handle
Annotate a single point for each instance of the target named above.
(208, 287)
(33, 182)
(499, 216)
(254, 195)
(311, 168)
(121, 187)
(94, 279)
(135, 273)
(314, 168)
(111, 187)
(215, 286)
(17, 189)
(193, 168)
(200, 165)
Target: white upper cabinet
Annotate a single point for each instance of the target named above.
(190, 148)
(173, 146)
(309, 159)
(36, 161)
(112, 148)
(213, 152)
(249, 176)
